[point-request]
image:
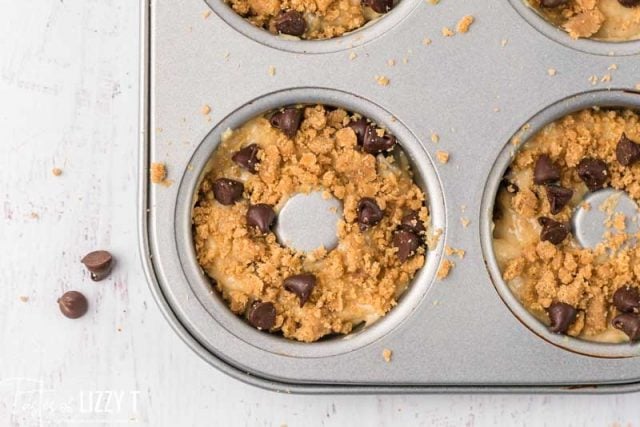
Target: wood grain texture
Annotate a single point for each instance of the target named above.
(69, 99)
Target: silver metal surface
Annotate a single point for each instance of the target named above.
(475, 90)
(307, 222)
(592, 222)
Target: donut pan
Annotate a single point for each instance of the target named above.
(475, 90)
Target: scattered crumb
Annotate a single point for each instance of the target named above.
(158, 173)
(386, 355)
(206, 14)
(391, 62)
(56, 171)
(353, 55)
(606, 78)
(442, 156)
(586, 206)
(447, 32)
(613, 67)
(382, 80)
(552, 72)
(272, 70)
(504, 42)
(24, 298)
(426, 41)
(34, 215)
(206, 109)
(435, 138)
(445, 269)
(464, 24)
(433, 2)
(460, 253)
(593, 79)
(465, 222)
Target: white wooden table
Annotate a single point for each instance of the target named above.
(69, 99)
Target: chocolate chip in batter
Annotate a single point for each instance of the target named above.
(629, 324)
(301, 285)
(247, 157)
(376, 144)
(291, 22)
(629, 3)
(379, 6)
(545, 171)
(593, 172)
(369, 213)
(627, 151)
(561, 316)
(553, 231)
(99, 264)
(73, 304)
(261, 216)
(262, 315)
(360, 128)
(288, 120)
(558, 197)
(627, 299)
(227, 191)
(412, 222)
(407, 244)
(552, 3)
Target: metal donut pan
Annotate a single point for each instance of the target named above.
(476, 91)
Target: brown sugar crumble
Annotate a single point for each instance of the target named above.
(56, 171)
(442, 156)
(387, 354)
(464, 24)
(445, 269)
(158, 174)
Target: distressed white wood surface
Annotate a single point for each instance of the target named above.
(69, 98)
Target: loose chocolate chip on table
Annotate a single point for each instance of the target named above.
(629, 324)
(561, 315)
(627, 151)
(627, 299)
(552, 3)
(593, 172)
(369, 213)
(291, 22)
(376, 144)
(99, 264)
(261, 216)
(558, 197)
(379, 6)
(412, 222)
(287, 120)
(407, 244)
(247, 157)
(360, 128)
(545, 171)
(73, 304)
(629, 3)
(262, 315)
(301, 285)
(227, 191)
(553, 231)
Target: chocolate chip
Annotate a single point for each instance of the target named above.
(379, 6)
(593, 172)
(227, 191)
(407, 244)
(369, 213)
(261, 216)
(262, 315)
(99, 264)
(629, 3)
(629, 324)
(558, 197)
(412, 222)
(553, 231)
(73, 304)
(627, 299)
(287, 120)
(627, 151)
(291, 22)
(561, 315)
(376, 144)
(301, 285)
(247, 157)
(545, 171)
(552, 3)
(360, 128)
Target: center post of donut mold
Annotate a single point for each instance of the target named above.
(595, 218)
(309, 221)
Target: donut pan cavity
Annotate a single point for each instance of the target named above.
(466, 333)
